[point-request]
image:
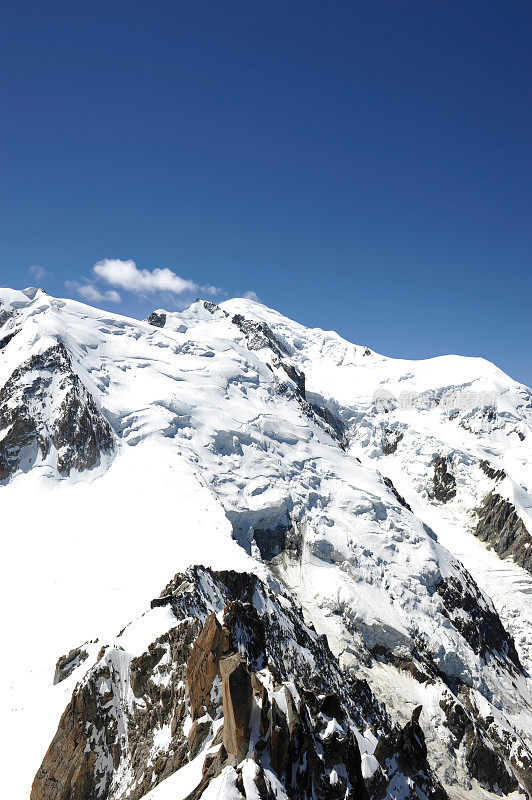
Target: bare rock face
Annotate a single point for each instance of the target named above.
(246, 633)
(390, 441)
(476, 619)
(479, 741)
(279, 738)
(444, 481)
(67, 664)
(501, 527)
(412, 741)
(67, 771)
(404, 748)
(158, 320)
(203, 664)
(101, 732)
(259, 336)
(493, 473)
(487, 766)
(45, 404)
(261, 686)
(196, 737)
(269, 703)
(237, 695)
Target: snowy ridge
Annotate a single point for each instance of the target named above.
(245, 441)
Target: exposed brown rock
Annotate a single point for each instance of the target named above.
(67, 771)
(312, 758)
(142, 666)
(196, 737)
(237, 701)
(491, 472)
(202, 665)
(480, 626)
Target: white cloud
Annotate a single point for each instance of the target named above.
(126, 275)
(91, 292)
(251, 295)
(37, 271)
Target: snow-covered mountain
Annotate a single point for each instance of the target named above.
(350, 537)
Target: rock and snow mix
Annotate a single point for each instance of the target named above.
(391, 499)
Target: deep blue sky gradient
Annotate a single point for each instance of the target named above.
(362, 166)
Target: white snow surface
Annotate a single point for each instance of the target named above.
(207, 447)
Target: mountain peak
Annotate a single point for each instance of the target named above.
(359, 526)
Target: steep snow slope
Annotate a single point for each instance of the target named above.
(221, 452)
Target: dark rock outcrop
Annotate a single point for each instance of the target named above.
(411, 741)
(491, 472)
(483, 759)
(67, 664)
(246, 633)
(158, 320)
(444, 482)
(211, 307)
(4, 341)
(99, 731)
(299, 754)
(390, 441)
(393, 752)
(502, 528)
(477, 621)
(67, 770)
(486, 765)
(259, 335)
(45, 404)
(400, 499)
(334, 422)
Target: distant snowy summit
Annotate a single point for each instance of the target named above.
(350, 537)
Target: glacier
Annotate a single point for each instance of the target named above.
(388, 501)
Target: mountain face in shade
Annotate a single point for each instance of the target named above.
(248, 559)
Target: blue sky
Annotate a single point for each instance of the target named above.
(362, 166)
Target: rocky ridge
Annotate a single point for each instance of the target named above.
(240, 685)
(45, 410)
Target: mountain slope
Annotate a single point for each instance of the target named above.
(234, 438)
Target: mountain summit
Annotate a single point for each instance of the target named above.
(248, 559)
